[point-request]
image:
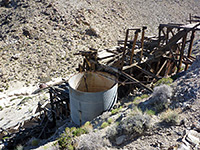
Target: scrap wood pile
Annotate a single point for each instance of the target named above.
(140, 61)
(44, 122)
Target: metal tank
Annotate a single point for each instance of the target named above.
(91, 93)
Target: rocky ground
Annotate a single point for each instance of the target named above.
(38, 39)
(169, 121)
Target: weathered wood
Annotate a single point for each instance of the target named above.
(134, 43)
(142, 41)
(124, 49)
(168, 66)
(161, 68)
(146, 72)
(159, 35)
(125, 75)
(190, 47)
(135, 80)
(181, 53)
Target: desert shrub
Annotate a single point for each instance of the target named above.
(87, 127)
(65, 141)
(104, 124)
(70, 147)
(91, 141)
(116, 110)
(133, 125)
(144, 96)
(160, 99)
(136, 98)
(150, 112)
(110, 120)
(78, 132)
(166, 81)
(170, 117)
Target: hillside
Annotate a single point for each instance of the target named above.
(38, 39)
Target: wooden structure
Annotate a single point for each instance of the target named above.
(141, 62)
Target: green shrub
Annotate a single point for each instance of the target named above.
(116, 110)
(110, 120)
(150, 112)
(63, 141)
(104, 124)
(166, 81)
(87, 127)
(78, 132)
(144, 96)
(136, 98)
(70, 147)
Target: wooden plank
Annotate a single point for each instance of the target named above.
(146, 72)
(142, 41)
(161, 68)
(181, 53)
(124, 49)
(172, 41)
(134, 43)
(135, 80)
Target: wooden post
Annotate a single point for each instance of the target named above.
(181, 53)
(134, 43)
(190, 18)
(124, 49)
(142, 40)
(52, 106)
(167, 35)
(159, 35)
(190, 47)
(168, 66)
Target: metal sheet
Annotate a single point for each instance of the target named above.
(101, 95)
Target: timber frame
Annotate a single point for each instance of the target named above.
(141, 62)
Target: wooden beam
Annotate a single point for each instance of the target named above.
(142, 41)
(146, 72)
(190, 47)
(135, 80)
(181, 53)
(134, 43)
(124, 49)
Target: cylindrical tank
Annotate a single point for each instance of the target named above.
(90, 94)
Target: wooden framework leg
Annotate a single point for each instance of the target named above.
(142, 41)
(181, 54)
(134, 43)
(190, 47)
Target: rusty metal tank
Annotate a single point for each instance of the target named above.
(91, 93)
